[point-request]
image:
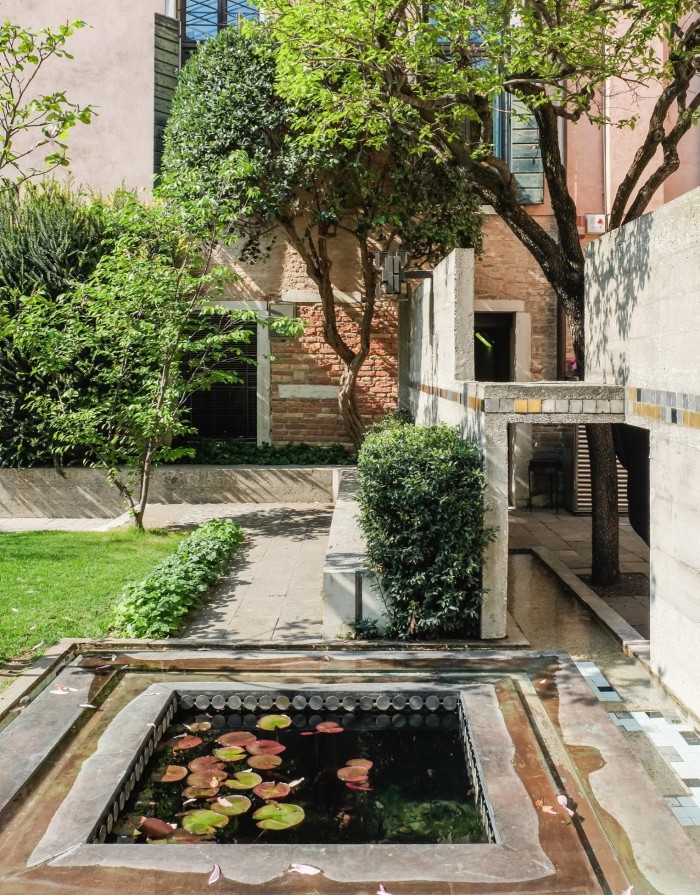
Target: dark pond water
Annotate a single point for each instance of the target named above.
(417, 789)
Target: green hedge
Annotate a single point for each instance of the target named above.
(230, 451)
(422, 513)
(156, 606)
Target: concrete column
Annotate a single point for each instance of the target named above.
(495, 578)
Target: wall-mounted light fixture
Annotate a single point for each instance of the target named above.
(394, 273)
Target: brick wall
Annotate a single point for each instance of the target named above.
(507, 270)
(308, 361)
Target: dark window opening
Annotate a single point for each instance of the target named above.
(229, 410)
(493, 347)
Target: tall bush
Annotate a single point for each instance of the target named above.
(50, 239)
(421, 494)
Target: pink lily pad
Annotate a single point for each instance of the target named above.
(265, 747)
(171, 774)
(264, 762)
(235, 738)
(272, 790)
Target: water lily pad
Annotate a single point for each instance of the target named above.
(360, 787)
(264, 762)
(184, 743)
(231, 805)
(184, 837)
(278, 817)
(200, 792)
(199, 726)
(230, 753)
(154, 828)
(244, 780)
(171, 774)
(128, 827)
(235, 738)
(206, 762)
(274, 722)
(353, 774)
(272, 790)
(203, 821)
(208, 777)
(360, 763)
(265, 747)
(329, 727)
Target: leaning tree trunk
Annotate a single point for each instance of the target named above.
(347, 401)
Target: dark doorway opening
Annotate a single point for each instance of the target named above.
(494, 347)
(230, 410)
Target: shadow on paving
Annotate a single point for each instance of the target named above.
(285, 521)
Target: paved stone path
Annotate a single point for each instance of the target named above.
(273, 591)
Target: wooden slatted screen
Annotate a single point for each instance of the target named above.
(582, 502)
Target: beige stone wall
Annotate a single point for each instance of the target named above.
(113, 70)
(283, 272)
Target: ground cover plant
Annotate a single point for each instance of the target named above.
(39, 605)
(421, 494)
(230, 451)
(156, 606)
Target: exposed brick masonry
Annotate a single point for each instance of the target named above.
(309, 361)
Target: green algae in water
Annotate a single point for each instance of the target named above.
(419, 793)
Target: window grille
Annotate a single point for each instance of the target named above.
(202, 19)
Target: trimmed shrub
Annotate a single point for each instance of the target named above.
(156, 606)
(422, 513)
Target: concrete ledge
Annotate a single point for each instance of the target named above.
(350, 593)
(79, 493)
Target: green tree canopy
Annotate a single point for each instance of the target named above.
(121, 353)
(434, 71)
(257, 158)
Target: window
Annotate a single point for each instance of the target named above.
(516, 141)
(202, 19)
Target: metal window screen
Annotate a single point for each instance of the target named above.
(227, 410)
(204, 18)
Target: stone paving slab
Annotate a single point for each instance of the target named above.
(273, 592)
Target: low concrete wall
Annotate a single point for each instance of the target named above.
(78, 493)
(349, 592)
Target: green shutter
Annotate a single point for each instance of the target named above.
(167, 67)
(525, 158)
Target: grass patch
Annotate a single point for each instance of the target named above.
(64, 584)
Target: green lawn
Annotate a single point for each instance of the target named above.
(56, 584)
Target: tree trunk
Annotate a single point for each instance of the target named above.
(605, 546)
(347, 401)
(605, 532)
(140, 508)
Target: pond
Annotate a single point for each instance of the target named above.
(323, 779)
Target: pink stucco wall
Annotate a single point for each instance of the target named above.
(113, 70)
